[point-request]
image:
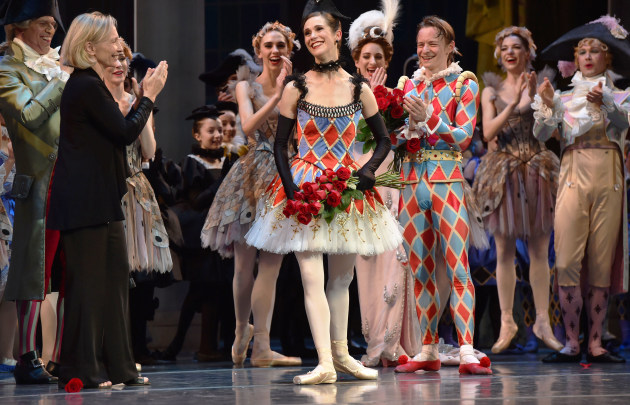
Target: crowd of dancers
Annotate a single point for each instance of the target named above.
(289, 162)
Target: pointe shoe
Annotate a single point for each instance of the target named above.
(508, 331)
(273, 359)
(543, 331)
(238, 357)
(318, 376)
(344, 363)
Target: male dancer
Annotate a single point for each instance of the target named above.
(31, 83)
(442, 104)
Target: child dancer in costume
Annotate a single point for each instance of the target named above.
(234, 209)
(518, 182)
(593, 119)
(327, 104)
(442, 104)
(389, 324)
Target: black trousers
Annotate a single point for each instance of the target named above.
(96, 339)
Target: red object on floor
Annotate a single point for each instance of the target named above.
(474, 368)
(411, 366)
(485, 362)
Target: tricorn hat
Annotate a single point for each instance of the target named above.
(15, 11)
(228, 67)
(205, 111)
(606, 29)
(323, 6)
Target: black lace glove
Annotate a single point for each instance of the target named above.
(383, 144)
(281, 154)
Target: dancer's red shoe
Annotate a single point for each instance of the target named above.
(474, 368)
(411, 366)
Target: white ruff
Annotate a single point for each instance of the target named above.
(584, 113)
(419, 75)
(47, 65)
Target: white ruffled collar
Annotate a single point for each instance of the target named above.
(453, 68)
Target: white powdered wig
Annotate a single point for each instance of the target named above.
(381, 21)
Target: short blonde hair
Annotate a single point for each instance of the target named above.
(89, 27)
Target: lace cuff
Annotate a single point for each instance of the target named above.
(424, 126)
(420, 127)
(608, 101)
(549, 116)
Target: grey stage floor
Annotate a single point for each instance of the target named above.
(516, 379)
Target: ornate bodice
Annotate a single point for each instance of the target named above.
(516, 137)
(326, 134)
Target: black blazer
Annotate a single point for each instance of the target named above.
(89, 178)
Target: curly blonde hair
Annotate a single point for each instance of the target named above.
(521, 33)
(281, 28)
(593, 42)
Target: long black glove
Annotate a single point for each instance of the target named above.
(281, 154)
(383, 145)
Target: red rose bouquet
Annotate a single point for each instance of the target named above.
(331, 193)
(390, 106)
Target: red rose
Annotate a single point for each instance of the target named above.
(339, 185)
(329, 173)
(382, 102)
(380, 91)
(323, 179)
(413, 145)
(304, 218)
(309, 188)
(343, 173)
(399, 94)
(319, 195)
(314, 207)
(326, 187)
(298, 196)
(303, 208)
(74, 385)
(334, 198)
(397, 111)
(290, 208)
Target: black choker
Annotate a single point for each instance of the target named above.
(331, 66)
(208, 153)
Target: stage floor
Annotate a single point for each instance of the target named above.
(516, 379)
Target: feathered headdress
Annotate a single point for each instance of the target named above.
(375, 24)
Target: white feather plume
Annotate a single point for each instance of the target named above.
(385, 19)
(390, 9)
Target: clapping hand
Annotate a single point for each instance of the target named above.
(545, 91)
(378, 78)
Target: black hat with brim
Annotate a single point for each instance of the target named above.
(563, 48)
(140, 64)
(226, 106)
(205, 111)
(228, 67)
(322, 6)
(15, 11)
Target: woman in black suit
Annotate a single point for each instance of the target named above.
(88, 185)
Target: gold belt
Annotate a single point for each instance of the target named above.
(424, 155)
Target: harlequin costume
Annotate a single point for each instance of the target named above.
(434, 211)
(591, 243)
(325, 138)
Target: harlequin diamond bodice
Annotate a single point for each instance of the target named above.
(326, 134)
